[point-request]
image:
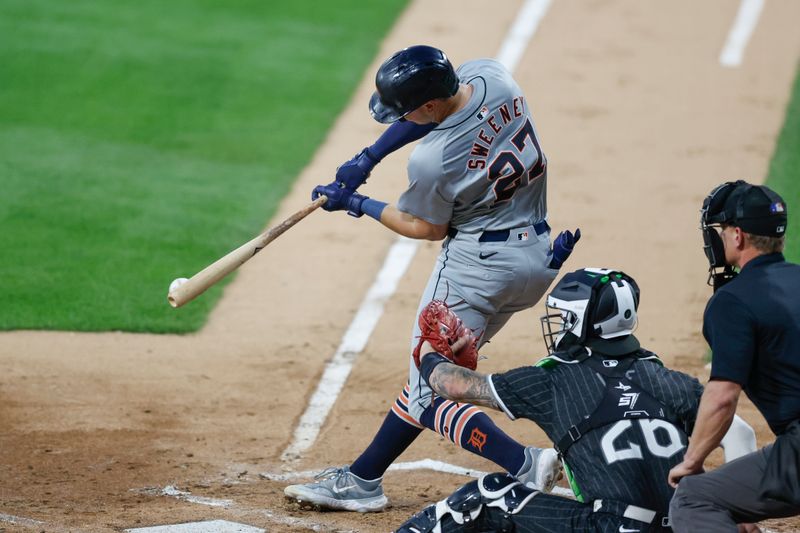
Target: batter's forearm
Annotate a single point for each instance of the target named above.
(410, 226)
(396, 136)
(462, 385)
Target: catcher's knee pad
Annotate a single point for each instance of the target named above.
(423, 522)
(503, 491)
(464, 506)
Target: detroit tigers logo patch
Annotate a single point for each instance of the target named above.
(477, 439)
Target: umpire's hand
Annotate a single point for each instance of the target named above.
(748, 528)
(682, 470)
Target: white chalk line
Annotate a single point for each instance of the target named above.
(241, 513)
(205, 526)
(739, 34)
(422, 464)
(521, 32)
(174, 492)
(38, 525)
(353, 342)
(397, 261)
(19, 521)
(171, 490)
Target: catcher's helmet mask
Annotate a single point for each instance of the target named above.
(755, 209)
(410, 78)
(593, 307)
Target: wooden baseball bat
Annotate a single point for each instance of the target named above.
(200, 282)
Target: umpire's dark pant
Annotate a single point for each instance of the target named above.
(718, 500)
(552, 514)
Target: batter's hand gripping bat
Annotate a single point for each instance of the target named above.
(197, 284)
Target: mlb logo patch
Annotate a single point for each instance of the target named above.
(482, 113)
(522, 236)
(777, 207)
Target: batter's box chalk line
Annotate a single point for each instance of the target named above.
(423, 464)
(238, 511)
(208, 526)
(175, 492)
(18, 520)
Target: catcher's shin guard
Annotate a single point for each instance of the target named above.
(424, 521)
(465, 505)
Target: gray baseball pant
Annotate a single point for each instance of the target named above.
(718, 500)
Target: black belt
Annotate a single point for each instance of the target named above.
(502, 235)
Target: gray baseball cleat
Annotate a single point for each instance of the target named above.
(340, 489)
(541, 469)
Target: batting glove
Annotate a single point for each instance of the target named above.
(339, 198)
(353, 173)
(562, 247)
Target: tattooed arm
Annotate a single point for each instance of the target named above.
(460, 384)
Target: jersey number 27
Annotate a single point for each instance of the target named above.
(509, 173)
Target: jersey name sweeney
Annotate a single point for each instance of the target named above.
(496, 121)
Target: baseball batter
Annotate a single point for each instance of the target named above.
(478, 180)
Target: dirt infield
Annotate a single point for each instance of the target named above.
(638, 120)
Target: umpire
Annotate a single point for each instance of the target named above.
(752, 324)
(619, 419)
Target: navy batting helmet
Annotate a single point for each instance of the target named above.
(410, 78)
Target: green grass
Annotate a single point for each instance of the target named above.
(784, 172)
(139, 141)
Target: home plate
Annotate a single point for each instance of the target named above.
(210, 526)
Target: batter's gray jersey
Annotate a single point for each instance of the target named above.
(482, 168)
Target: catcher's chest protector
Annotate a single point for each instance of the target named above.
(623, 400)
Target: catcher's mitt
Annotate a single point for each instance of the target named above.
(441, 327)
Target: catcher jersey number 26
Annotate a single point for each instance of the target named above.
(661, 439)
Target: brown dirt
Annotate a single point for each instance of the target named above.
(639, 121)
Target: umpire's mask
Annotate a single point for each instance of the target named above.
(755, 209)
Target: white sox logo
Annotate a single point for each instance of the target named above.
(628, 399)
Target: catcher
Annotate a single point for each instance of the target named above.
(619, 419)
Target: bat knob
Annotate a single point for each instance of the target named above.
(174, 286)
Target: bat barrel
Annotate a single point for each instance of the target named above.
(200, 282)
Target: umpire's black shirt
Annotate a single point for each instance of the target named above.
(753, 327)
